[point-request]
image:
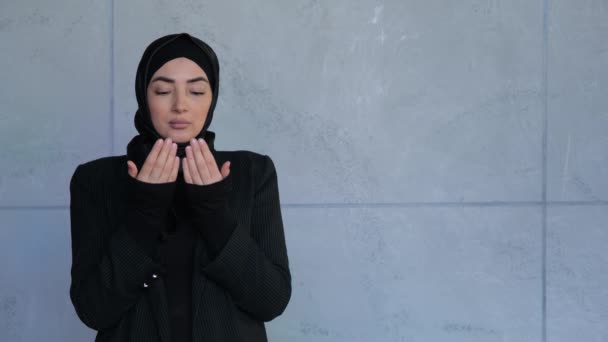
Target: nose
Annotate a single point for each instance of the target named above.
(179, 105)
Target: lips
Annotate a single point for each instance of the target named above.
(179, 124)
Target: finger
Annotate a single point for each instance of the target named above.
(175, 170)
(151, 159)
(159, 165)
(168, 167)
(201, 164)
(187, 176)
(214, 172)
(225, 169)
(192, 167)
(132, 169)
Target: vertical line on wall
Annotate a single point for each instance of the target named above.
(545, 128)
(112, 77)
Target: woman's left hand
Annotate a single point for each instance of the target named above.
(199, 165)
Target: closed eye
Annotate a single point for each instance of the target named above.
(167, 92)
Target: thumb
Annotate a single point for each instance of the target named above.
(132, 169)
(225, 169)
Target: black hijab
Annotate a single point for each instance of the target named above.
(154, 57)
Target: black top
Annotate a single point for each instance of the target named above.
(174, 261)
(184, 211)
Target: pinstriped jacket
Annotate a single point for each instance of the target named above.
(246, 284)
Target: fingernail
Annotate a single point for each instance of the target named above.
(201, 140)
(174, 145)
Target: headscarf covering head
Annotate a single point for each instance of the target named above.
(159, 52)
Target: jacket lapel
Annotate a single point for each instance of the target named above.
(198, 281)
(158, 303)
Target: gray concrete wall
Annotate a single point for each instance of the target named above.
(442, 164)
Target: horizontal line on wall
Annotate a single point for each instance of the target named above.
(34, 207)
(378, 205)
(444, 204)
(575, 203)
(410, 204)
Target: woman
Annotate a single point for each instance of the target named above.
(177, 241)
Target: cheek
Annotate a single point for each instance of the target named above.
(158, 109)
(203, 109)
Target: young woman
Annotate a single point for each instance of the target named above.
(176, 241)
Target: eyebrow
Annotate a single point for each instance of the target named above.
(170, 80)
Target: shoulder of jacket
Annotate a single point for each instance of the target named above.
(254, 159)
(259, 164)
(242, 154)
(100, 167)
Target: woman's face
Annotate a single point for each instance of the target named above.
(179, 97)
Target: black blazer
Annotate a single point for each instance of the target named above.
(116, 288)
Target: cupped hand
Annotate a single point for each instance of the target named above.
(199, 165)
(161, 165)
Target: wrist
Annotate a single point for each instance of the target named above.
(209, 199)
(153, 199)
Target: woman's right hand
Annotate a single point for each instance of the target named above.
(161, 165)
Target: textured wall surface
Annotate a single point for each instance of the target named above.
(442, 164)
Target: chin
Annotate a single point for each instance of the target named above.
(180, 137)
